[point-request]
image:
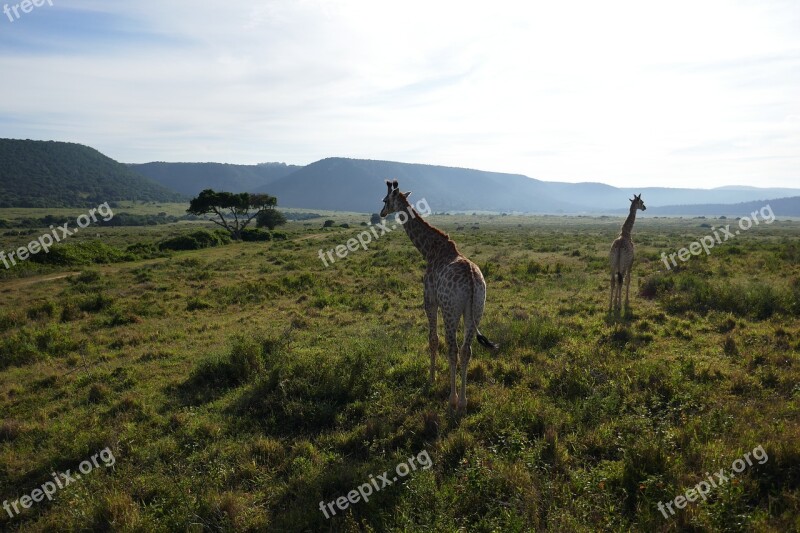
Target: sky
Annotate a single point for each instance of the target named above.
(677, 94)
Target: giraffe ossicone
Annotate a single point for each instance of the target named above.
(451, 283)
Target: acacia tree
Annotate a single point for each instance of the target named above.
(235, 211)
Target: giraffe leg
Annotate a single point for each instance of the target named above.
(627, 289)
(451, 327)
(432, 310)
(611, 298)
(466, 353)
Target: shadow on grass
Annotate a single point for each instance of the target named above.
(247, 359)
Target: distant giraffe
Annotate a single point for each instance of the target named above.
(451, 282)
(621, 258)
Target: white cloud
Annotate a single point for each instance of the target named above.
(677, 94)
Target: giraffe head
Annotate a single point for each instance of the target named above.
(637, 203)
(394, 200)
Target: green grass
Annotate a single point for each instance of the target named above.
(240, 385)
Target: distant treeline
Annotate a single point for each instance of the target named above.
(300, 216)
(120, 219)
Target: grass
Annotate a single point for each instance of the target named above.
(242, 384)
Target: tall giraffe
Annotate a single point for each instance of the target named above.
(451, 282)
(621, 258)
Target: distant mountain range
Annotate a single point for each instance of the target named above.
(357, 185)
(191, 178)
(38, 173)
(781, 207)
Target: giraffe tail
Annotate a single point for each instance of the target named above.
(482, 339)
(486, 342)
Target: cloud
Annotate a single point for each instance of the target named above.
(575, 91)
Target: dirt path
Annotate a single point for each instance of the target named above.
(13, 284)
(21, 282)
(312, 236)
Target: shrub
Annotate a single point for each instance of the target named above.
(82, 253)
(9, 320)
(87, 276)
(193, 241)
(246, 359)
(656, 285)
(143, 250)
(255, 235)
(94, 303)
(42, 310)
(194, 303)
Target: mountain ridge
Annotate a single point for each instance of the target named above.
(58, 174)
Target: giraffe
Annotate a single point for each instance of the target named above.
(451, 282)
(621, 258)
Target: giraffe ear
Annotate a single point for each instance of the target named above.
(406, 194)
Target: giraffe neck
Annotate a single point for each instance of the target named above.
(431, 242)
(628, 225)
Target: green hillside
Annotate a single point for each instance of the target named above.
(59, 174)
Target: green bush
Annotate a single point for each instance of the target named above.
(255, 235)
(82, 253)
(43, 310)
(144, 250)
(656, 285)
(246, 359)
(193, 241)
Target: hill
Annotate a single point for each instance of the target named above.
(191, 178)
(357, 185)
(57, 174)
(782, 207)
(598, 197)
(60, 174)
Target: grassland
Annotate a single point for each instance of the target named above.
(240, 385)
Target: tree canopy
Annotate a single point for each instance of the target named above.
(235, 210)
(270, 218)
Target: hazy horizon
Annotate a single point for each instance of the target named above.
(678, 95)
